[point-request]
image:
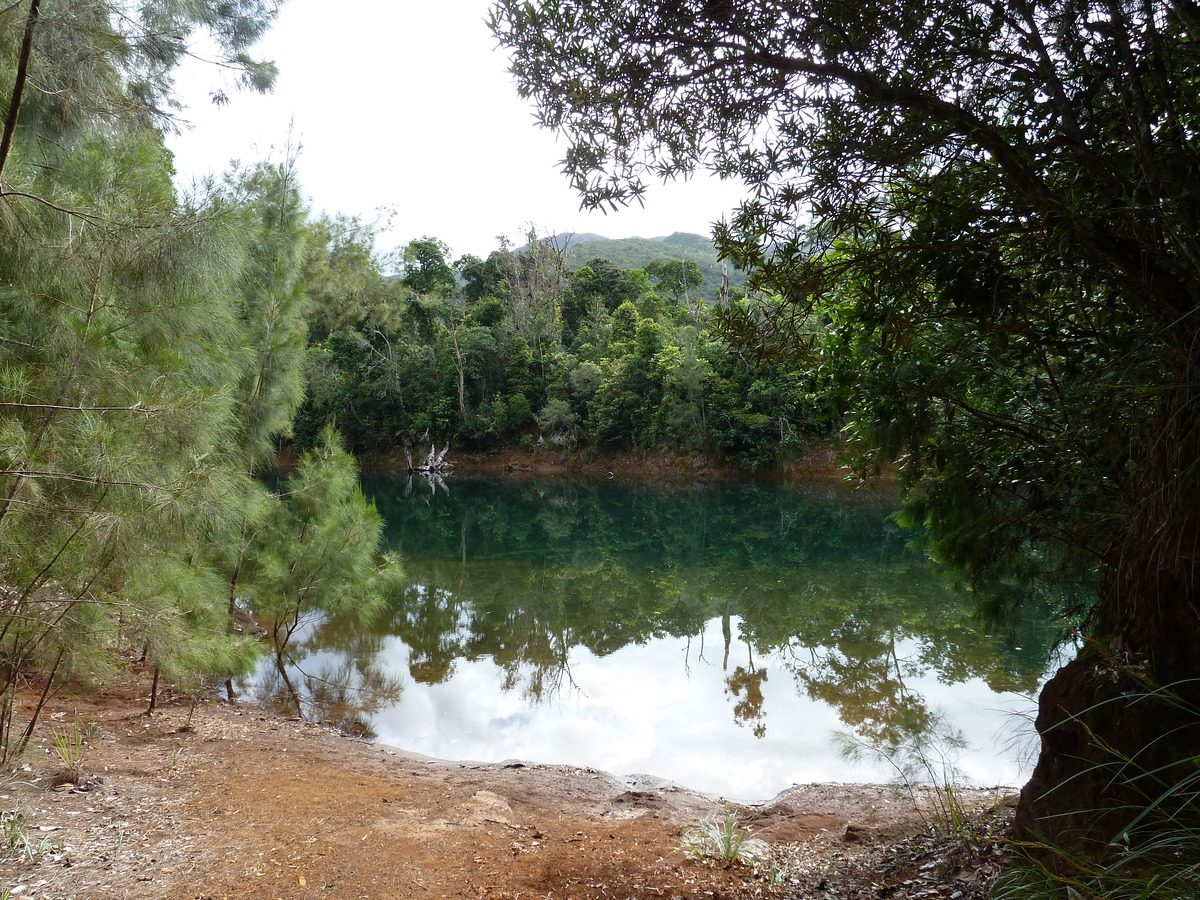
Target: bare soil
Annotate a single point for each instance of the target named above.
(820, 465)
(207, 800)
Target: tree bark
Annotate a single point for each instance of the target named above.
(14, 105)
(1120, 724)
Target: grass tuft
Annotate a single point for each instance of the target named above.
(16, 839)
(723, 842)
(1156, 856)
(69, 745)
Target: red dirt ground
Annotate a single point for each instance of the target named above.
(209, 800)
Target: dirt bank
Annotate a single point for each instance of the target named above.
(820, 465)
(208, 800)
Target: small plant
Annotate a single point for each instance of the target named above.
(16, 841)
(69, 744)
(12, 826)
(923, 765)
(723, 842)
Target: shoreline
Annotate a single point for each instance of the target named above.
(820, 465)
(225, 800)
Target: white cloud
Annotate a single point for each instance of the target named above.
(410, 105)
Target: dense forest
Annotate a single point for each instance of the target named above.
(635, 253)
(522, 350)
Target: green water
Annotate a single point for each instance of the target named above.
(705, 633)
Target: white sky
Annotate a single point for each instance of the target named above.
(408, 104)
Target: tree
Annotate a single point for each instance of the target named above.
(344, 281)
(678, 277)
(70, 66)
(317, 554)
(990, 210)
(121, 336)
(425, 269)
(272, 306)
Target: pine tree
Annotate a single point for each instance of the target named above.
(118, 327)
(317, 555)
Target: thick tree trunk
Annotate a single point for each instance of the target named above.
(1120, 724)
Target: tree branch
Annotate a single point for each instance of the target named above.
(137, 407)
(82, 479)
(14, 106)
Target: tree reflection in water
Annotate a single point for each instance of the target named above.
(816, 584)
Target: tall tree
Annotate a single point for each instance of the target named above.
(993, 207)
(116, 331)
(344, 280)
(272, 306)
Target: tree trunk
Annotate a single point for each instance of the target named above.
(462, 382)
(1120, 724)
(153, 694)
(293, 694)
(14, 105)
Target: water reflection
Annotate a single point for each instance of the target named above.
(715, 633)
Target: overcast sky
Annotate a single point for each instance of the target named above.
(409, 105)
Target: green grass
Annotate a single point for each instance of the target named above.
(16, 840)
(1156, 856)
(69, 745)
(723, 842)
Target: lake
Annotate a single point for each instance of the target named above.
(732, 638)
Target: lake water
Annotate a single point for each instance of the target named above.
(732, 638)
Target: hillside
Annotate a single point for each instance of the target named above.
(635, 252)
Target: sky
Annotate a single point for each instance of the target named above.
(409, 106)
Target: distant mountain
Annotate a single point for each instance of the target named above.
(583, 238)
(635, 252)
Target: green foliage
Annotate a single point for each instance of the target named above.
(94, 65)
(118, 331)
(151, 353)
(724, 842)
(680, 249)
(272, 306)
(14, 832)
(344, 281)
(426, 271)
(316, 553)
(636, 370)
(69, 744)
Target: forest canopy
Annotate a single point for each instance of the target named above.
(523, 350)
